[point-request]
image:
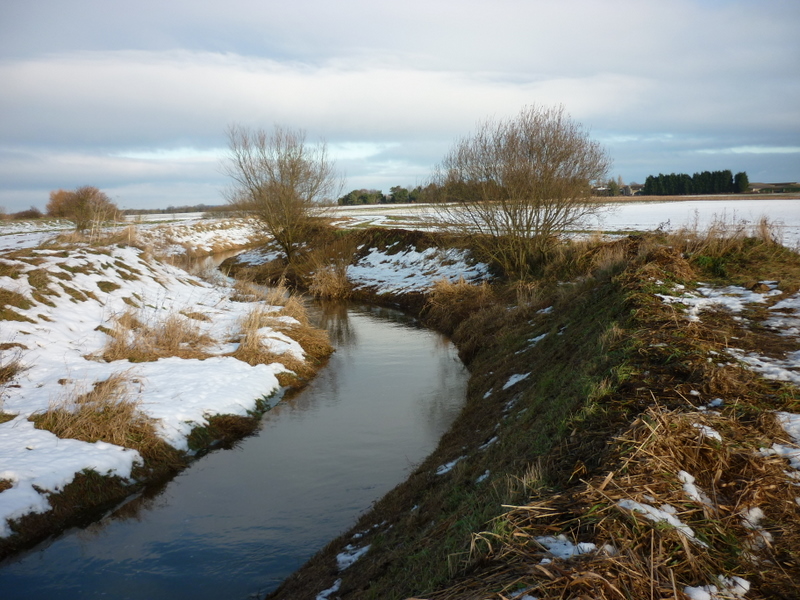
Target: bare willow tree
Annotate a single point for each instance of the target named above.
(281, 180)
(516, 184)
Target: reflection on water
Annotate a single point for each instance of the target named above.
(333, 316)
(238, 522)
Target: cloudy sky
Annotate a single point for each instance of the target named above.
(135, 97)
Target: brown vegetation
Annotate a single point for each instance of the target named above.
(107, 412)
(136, 340)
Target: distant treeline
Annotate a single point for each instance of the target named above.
(397, 195)
(177, 209)
(707, 182)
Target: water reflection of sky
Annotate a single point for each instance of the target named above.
(239, 521)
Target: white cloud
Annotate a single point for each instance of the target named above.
(141, 94)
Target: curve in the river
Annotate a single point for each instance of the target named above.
(237, 522)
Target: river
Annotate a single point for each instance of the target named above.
(237, 522)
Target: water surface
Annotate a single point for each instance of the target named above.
(239, 521)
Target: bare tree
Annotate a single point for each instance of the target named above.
(516, 184)
(86, 206)
(281, 180)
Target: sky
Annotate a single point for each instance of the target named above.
(136, 98)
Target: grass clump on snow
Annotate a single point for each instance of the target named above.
(136, 340)
(107, 412)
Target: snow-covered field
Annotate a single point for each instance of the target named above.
(625, 216)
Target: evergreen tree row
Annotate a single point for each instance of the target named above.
(707, 182)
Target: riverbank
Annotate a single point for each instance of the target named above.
(119, 367)
(630, 431)
(629, 421)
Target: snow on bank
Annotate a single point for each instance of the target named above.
(69, 299)
(733, 298)
(412, 270)
(33, 458)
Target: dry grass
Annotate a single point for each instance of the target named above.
(136, 340)
(636, 557)
(10, 362)
(721, 236)
(451, 303)
(330, 281)
(313, 341)
(106, 412)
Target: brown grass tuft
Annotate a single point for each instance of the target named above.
(10, 363)
(138, 341)
(449, 303)
(313, 341)
(106, 413)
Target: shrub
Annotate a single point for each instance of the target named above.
(86, 206)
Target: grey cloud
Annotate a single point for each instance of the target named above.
(89, 82)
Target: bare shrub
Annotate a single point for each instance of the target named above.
(281, 180)
(87, 207)
(517, 184)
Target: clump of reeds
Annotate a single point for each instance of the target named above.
(722, 235)
(107, 412)
(330, 281)
(136, 340)
(767, 231)
(450, 303)
(314, 342)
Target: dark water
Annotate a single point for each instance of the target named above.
(239, 521)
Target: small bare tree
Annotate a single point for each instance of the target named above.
(516, 184)
(281, 180)
(87, 207)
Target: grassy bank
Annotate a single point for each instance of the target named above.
(598, 392)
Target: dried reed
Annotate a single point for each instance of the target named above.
(106, 412)
(136, 340)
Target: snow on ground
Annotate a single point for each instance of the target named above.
(203, 236)
(59, 338)
(412, 271)
(350, 555)
(515, 379)
(560, 547)
(627, 216)
(786, 319)
(732, 297)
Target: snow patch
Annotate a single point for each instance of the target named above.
(350, 555)
(514, 379)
